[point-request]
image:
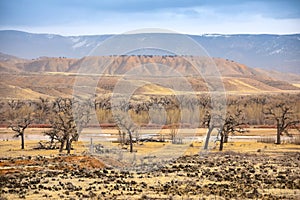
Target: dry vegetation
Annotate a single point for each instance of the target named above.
(280, 110)
(241, 173)
(251, 165)
(247, 169)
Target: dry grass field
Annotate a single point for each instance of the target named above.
(246, 169)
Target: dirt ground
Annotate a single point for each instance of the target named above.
(246, 169)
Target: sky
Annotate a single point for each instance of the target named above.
(93, 17)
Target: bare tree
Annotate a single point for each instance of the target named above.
(234, 122)
(212, 118)
(3, 111)
(174, 120)
(121, 137)
(125, 125)
(42, 110)
(207, 123)
(283, 116)
(229, 124)
(174, 133)
(82, 112)
(63, 124)
(20, 117)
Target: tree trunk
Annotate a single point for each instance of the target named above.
(123, 139)
(130, 141)
(210, 129)
(278, 140)
(226, 138)
(22, 140)
(69, 146)
(120, 138)
(62, 144)
(221, 142)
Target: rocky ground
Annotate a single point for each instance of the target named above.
(225, 175)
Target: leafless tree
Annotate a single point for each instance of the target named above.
(42, 110)
(82, 112)
(210, 126)
(63, 124)
(122, 135)
(229, 124)
(173, 133)
(284, 117)
(212, 118)
(20, 117)
(3, 112)
(125, 125)
(234, 122)
(174, 120)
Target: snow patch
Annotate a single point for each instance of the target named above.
(79, 44)
(75, 39)
(212, 35)
(278, 51)
(215, 35)
(50, 36)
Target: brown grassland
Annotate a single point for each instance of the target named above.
(247, 169)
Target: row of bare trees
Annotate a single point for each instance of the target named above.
(67, 117)
(252, 106)
(278, 112)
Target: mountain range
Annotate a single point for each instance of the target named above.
(271, 52)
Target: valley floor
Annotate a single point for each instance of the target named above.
(246, 169)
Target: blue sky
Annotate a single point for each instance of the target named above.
(88, 17)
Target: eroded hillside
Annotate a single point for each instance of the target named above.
(53, 77)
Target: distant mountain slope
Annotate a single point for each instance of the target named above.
(6, 57)
(29, 45)
(272, 52)
(288, 77)
(53, 77)
(9, 63)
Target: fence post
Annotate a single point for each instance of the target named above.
(91, 146)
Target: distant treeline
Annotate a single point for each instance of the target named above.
(163, 110)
